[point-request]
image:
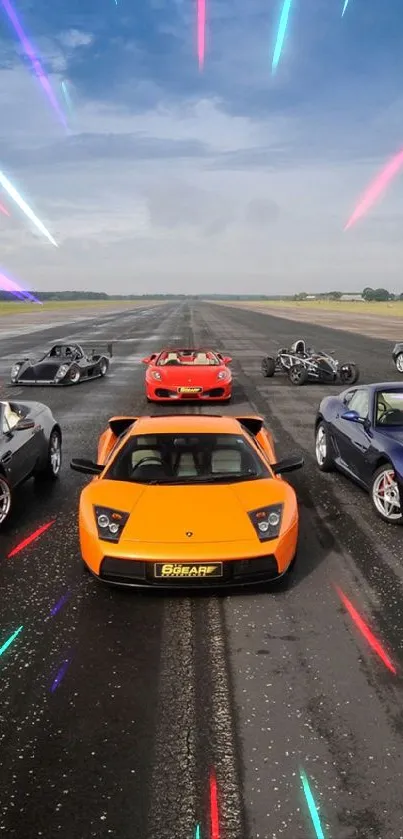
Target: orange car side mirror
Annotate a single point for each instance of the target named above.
(87, 467)
(289, 464)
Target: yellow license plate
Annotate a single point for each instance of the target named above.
(189, 389)
(186, 569)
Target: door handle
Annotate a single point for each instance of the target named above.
(6, 458)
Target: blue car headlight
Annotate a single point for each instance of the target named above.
(110, 523)
(267, 521)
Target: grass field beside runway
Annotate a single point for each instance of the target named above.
(16, 307)
(390, 308)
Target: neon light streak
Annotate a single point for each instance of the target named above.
(3, 210)
(345, 7)
(31, 538)
(36, 65)
(201, 31)
(366, 632)
(282, 28)
(25, 208)
(60, 675)
(60, 603)
(215, 825)
(12, 288)
(376, 188)
(10, 640)
(311, 806)
(198, 832)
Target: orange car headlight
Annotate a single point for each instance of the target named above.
(267, 521)
(110, 523)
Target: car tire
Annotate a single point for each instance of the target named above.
(323, 448)
(268, 367)
(399, 362)
(103, 367)
(5, 499)
(51, 471)
(384, 477)
(74, 375)
(298, 375)
(350, 375)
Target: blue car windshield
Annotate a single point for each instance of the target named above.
(389, 408)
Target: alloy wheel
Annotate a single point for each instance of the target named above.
(386, 496)
(5, 499)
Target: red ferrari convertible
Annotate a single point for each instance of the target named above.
(201, 375)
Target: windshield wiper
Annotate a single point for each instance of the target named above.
(202, 479)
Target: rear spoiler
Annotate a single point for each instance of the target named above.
(119, 425)
(102, 347)
(253, 424)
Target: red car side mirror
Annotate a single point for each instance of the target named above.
(146, 360)
(227, 359)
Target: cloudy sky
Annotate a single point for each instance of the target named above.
(229, 180)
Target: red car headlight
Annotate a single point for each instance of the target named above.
(267, 521)
(156, 375)
(110, 523)
(223, 374)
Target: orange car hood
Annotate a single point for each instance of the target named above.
(213, 513)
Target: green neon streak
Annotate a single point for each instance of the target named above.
(312, 806)
(197, 834)
(10, 640)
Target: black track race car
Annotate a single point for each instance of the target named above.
(304, 364)
(30, 445)
(397, 355)
(63, 364)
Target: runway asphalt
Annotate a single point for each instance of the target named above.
(118, 709)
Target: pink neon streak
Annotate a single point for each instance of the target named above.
(201, 31)
(366, 632)
(214, 819)
(31, 538)
(34, 60)
(3, 210)
(13, 288)
(376, 188)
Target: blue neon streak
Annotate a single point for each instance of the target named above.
(60, 603)
(312, 807)
(345, 7)
(282, 28)
(10, 640)
(60, 675)
(197, 834)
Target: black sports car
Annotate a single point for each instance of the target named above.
(397, 355)
(30, 445)
(63, 364)
(304, 364)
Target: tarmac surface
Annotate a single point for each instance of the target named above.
(118, 707)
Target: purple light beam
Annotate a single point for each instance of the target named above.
(37, 67)
(13, 288)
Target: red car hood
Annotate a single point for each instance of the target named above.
(183, 376)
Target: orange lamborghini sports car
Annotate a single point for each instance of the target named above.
(187, 500)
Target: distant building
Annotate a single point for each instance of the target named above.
(310, 297)
(351, 297)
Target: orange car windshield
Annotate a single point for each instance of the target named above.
(188, 358)
(187, 458)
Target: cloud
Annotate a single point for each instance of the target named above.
(237, 180)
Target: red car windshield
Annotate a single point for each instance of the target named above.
(188, 358)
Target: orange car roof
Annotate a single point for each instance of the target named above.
(186, 423)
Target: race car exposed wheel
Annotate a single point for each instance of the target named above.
(385, 494)
(50, 472)
(103, 367)
(399, 362)
(268, 367)
(74, 375)
(298, 374)
(323, 448)
(349, 374)
(5, 499)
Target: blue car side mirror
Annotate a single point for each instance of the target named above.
(352, 416)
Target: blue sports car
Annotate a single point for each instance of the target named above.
(360, 432)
